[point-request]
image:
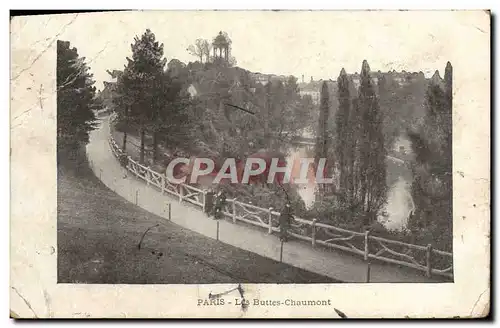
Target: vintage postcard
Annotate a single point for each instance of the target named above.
(250, 164)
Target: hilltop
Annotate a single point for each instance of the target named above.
(401, 94)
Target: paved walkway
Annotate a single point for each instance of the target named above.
(331, 263)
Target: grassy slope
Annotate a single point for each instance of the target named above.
(98, 233)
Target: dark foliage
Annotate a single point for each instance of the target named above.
(76, 102)
(432, 188)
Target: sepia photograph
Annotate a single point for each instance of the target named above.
(173, 171)
(222, 150)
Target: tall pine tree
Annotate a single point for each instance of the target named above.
(123, 99)
(170, 121)
(432, 186)
(76, 102)
(322, 135)
(344, 137)
(142, 80)
(267, 112)
(447, 121)
(372, 150)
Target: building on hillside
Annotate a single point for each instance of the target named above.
(198, 88)
(265, 78)
(261, 78)
(356, 79)
(402, 78)
(313, 89)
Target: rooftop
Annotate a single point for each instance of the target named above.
(220, 39)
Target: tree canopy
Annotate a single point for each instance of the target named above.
(148, 97)
(432, 187)
(76, 101)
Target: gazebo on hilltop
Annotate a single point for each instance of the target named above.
(221, 46)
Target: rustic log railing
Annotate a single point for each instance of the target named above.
(422, 258)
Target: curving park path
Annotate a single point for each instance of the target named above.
(335, 264)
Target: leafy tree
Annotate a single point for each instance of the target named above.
(266, 113)
(403, 105)
(353, 160)
(126, 91)
(179, 72)
(322, 135)
(447, 117)
(200, 48)
(299, 113)
(344, 136)
(171, 121)
(372, 149)
(390, 103)
(76, 101)
(232, 61)
(279, 114)
(432, 186)
(292, 89)
(106, 95)
(265, 117)
(309, 111)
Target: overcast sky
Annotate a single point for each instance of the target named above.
(315, 44)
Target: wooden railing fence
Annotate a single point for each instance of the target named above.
(423, 258)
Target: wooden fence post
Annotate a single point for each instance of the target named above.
(313, 236)
(163, 184)
(203, 202)
(181, 193)
(270, 217)
(148, 174)
(234, 210)
(368, 272)
(367, 250)
(170, 211)
(281, 252)
(217, 229)
(428, 258)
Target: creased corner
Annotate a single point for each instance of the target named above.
(481, 310)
